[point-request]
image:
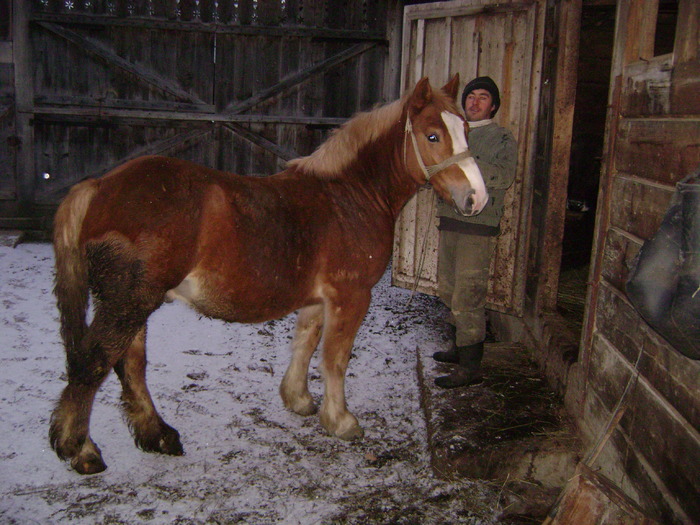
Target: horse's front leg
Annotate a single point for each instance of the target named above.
(342, 322)
(294, 388)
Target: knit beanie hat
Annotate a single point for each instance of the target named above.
(489, 85)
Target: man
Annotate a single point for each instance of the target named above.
(467, 243)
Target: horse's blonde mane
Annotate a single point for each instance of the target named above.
(341, 148)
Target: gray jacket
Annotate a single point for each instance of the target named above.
(496, 153)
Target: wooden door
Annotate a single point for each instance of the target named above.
(474, 38)
(241, 86)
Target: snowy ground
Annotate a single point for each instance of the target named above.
(248, 460)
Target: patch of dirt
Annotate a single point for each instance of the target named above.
(511, 429)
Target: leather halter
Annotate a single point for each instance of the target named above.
(429, 171)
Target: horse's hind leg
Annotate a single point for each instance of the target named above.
(70, 421)
(150, 432)
(294, 388)
(342, 323)
(123, 303)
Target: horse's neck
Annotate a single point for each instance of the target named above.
(385, 163)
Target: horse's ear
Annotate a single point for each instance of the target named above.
(422, 95)
(452, 87)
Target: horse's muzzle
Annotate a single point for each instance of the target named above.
(466, 204)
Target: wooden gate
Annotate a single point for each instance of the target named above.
(473, 38)
(238, 85)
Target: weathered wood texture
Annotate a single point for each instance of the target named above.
(241, 86)
(595, 500)
(473, 38)
(653, 142)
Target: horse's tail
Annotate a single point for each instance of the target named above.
(71, 286)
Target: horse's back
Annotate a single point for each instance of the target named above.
(237, 248)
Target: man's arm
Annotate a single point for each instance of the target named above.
(497, 158)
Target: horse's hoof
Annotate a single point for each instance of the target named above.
(90, 463)
(166, 440)
(346, 428)
(352, 434)
(302, 404)
(170, 442)
(303, 408)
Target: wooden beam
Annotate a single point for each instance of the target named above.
(299, 77)
(68, 101)
(569, 23)
(262, 142)
(141, 73)
(24, 97)
(312, 33)
(640, 30)
(96, 114)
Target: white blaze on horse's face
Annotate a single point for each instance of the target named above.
(467, 202)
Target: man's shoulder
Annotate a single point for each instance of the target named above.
(492, 132)
(493, 128)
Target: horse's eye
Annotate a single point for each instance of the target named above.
(433, 138)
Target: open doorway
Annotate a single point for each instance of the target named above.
(593, 82)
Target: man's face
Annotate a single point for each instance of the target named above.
(478, 105)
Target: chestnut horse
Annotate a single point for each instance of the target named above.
(314, 238)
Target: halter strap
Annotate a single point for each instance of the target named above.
(429, 171)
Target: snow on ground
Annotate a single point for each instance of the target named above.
(248, 460)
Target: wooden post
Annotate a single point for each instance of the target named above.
(569, 24)
(24, 105)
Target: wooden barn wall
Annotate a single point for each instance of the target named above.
(240, 85)
(7, 95)
(653, 142)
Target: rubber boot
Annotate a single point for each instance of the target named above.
(468, 372)
(451, 355)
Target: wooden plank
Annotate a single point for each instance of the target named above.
(452, 9)
(71, 114)
(666, 441)
(685, 47)
(24, 95)
(595, 500)
(261, 141)
(670, 373)
(145, 23)
(620, 250)
(110, 58)
(686, 66)
(297, 78)
(414, 263)
(79, 101)
(663, 150)
(569, 22)
(620, 460)
(638, 206)
(647, 87)
(161, 147)
(640, 30)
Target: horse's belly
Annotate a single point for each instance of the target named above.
(188, 291)
(243, 305)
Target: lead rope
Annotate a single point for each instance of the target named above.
(408, 130)
(421, 260)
